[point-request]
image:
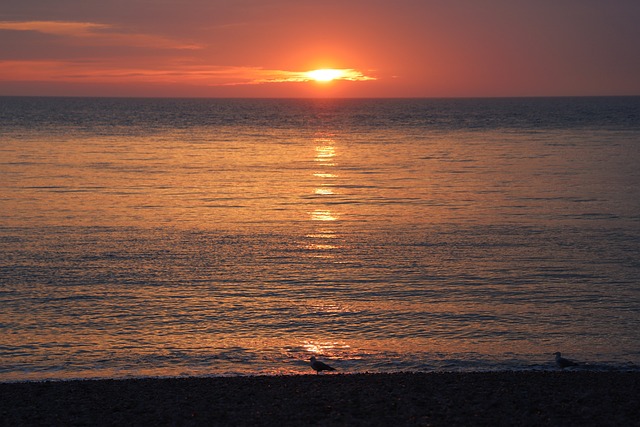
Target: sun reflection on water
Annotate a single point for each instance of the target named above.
(322, 234)
(327, 348)
(324, 191)
(325, 151)
(324, 156)
(323, 215)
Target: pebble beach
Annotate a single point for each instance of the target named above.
(529, 398)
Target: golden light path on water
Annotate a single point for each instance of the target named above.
(322, 240)
(322, 218)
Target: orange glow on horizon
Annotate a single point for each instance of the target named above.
(327, 74)
(319, 75)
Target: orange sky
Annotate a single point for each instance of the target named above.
(260, 48)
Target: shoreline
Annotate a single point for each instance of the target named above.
(434, 398)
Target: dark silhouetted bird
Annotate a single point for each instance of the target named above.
(562, 362)
(319, 366)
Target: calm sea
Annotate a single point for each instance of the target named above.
(167, 237)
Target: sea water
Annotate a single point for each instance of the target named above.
(181, 237)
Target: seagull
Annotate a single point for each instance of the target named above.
(562, 362)
(319, 366)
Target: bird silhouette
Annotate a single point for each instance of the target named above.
(562, 362)
(320, 366)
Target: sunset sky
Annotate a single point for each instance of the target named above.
(266, 48)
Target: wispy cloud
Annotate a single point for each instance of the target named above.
(148, 68)
(96, 34)
(74, 29)
(92, 72)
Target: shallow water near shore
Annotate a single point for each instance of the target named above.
(151, 237)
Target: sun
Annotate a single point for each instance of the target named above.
(325, 74)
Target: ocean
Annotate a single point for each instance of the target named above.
(215, 237)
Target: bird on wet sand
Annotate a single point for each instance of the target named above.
(320, 366)
(562, 362)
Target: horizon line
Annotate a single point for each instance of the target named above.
(319, 97)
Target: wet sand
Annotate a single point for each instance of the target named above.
(569, 398)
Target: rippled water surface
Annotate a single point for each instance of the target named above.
(220, 237)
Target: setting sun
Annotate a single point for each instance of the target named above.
(326, 74)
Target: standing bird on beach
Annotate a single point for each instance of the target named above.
(319, 366)
(562, 362)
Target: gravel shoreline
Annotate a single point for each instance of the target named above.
(562, 398)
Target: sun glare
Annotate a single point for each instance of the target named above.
(326, 74)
